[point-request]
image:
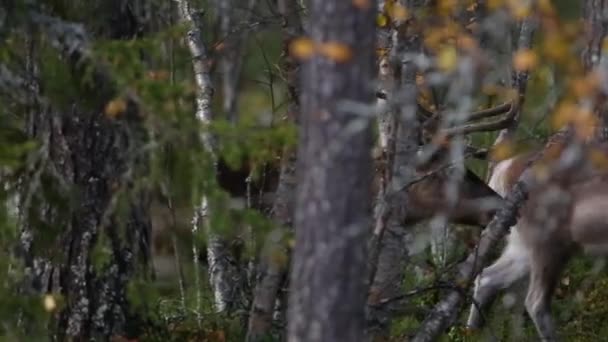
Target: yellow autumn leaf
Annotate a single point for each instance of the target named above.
(605, 45)
(49, 303)
(556, 48)
(445, 7)
(388, 6)
(546, 7)
(494, 4)
(381, 20)
(115, 108)
(563, 115)
(585, 123)
(302, 48)
(338, 52)
(398, 12)
(447, 59)
(524, 60)
(583, 119)
(585, 86)
(520, 8)
(381, 52)
(492, 89)
(503, 150)
(598, 158)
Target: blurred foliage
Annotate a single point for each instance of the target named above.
(157, 69)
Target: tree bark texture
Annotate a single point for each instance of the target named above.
(89, 158)
(332, 219)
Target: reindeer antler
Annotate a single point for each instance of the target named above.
(470, 127)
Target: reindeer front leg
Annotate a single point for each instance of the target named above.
(547, 264)
(511, 267)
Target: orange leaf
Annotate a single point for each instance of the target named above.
(302, 48)
(362, 4)
(563, 115)
(398, 12)
(115, 108)
(520, 9)
(336, 51)
(586, 86)
(524, 60)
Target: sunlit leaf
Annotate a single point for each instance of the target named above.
(520, 9)
(302, 48)
(494, 4)
(503, 150)
(115, 108)
(524, 60)
(447, 59)
(381, 20)
(556, 48)
(585, 86)
(336, 51)
(445, 7)
(49, 303)
(398, 12)
(598, 158)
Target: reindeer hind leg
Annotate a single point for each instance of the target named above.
(544, 275)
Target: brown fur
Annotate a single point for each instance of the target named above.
(566, 213)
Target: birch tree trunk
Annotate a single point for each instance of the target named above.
(327, 284)
(402, 144)
(224, 273)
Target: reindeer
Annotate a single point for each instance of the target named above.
(565, 213)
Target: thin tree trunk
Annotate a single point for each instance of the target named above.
(389, 242)
(327, 284)
(224, 273)
(275, 257)
(232, 18)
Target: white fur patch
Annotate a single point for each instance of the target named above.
(498, 181)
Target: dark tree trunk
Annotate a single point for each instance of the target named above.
(333, 201)
(90, 162)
